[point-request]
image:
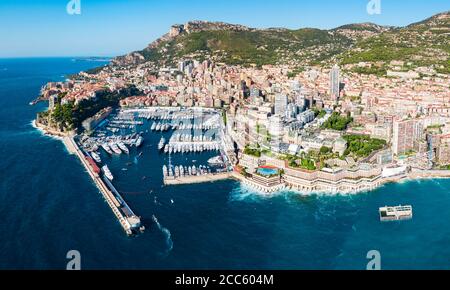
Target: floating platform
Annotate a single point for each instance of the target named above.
(396, 213)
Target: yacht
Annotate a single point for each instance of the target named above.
(161, 144)
(107, 148)
(115, 148)
(181, 171)
(139, 141)
(123, 148)
(96, 157)
(215, 161)
(107, 172)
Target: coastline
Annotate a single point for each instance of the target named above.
(411, 176)
(49, 132)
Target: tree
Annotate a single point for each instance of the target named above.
(325, 150)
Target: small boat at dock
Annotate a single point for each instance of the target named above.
(115, 148)
(123, 148)
(96, 157)
(161, 144)
(107, 148)
(107, 172)
(139, 141)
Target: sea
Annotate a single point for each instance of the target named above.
(49, 206)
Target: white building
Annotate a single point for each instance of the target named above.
(281, 103)
(335, 82)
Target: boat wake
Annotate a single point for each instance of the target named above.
(167, 235)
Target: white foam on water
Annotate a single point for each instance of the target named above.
(168, 237)
(42, 132)
(247, 193)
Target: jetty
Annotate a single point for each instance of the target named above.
(130, 222)
(194, 179)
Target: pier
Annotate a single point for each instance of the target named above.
(127, 219)
(194, 179)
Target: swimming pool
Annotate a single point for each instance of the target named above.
(267, 171)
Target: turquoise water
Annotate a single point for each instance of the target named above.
(50, 206)
(267, 171)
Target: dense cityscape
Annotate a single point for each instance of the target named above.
(321, 129)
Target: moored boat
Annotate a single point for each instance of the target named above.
(123, 147)
(107, 172)
(96, 157)
(107, 148)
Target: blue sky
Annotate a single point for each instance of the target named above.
(31, 28)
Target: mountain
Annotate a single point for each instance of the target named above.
(359, 31)
(421, 44)
(236, 44)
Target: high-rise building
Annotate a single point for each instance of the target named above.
(335, 82)
(406, 135)
(276, 131)
(181, 65)
(281, 102)
(292, 111)
(300, 102)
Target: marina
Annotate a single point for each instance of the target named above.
(190, 143)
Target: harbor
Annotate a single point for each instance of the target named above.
(118, 151)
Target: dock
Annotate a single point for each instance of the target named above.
(194, 179)
(127, 219)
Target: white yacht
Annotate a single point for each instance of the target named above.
(123, 147)
(161, 144)
(115, 148)
(139, 141)
(106, 148)
(107, 172)
(96, 157)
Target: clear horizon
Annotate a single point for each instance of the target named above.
(43, 28)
